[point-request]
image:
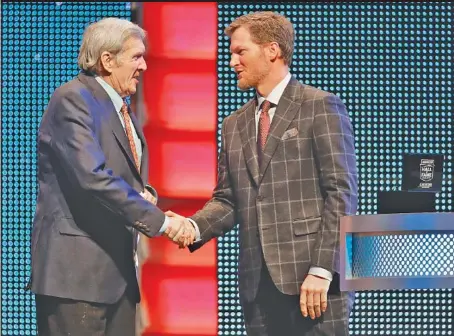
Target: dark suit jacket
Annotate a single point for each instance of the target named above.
(88, 202)
(289, 207)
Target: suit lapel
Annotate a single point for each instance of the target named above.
(286, 111)
(246, 127)
(114, 120)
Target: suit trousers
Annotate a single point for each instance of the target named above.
(58, 317)
(273, 313)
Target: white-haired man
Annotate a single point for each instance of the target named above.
(93, 193)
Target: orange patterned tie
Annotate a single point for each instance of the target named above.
(264, 128)
(127, 120)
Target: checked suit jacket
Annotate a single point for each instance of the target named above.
(288, 207)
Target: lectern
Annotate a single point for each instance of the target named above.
(397, 251)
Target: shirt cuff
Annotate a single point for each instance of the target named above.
(164, 226)
(152, 191)
(321, 272)
(197, 231)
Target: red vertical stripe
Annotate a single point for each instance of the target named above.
(179, 289)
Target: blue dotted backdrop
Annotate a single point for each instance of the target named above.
(391, 63)
(40, 43)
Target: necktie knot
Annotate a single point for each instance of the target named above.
(266, 105)
(264, 128)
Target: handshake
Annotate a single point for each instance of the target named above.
(179, 229)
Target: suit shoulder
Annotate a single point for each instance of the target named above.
(64, 98)
(309, 93)
(242, 109)
(228, 121)
(232, 118)
(70, 88)
(322, 102)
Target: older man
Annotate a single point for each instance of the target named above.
(93, 193)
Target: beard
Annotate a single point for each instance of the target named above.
(254, 75)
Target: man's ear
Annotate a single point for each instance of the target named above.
(274, 51)
(107, 61)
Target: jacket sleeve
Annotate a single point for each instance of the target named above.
(335, 154)
(218, 214)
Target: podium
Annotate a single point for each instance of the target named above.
(397, 251)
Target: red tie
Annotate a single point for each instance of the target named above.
(127, 120)
(264, 127)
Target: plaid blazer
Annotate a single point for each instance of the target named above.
(288, 208)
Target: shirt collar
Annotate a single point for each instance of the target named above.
(276, 94)
(114, 96)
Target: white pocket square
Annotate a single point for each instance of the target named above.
(290, 133)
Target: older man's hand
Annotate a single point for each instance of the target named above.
(188, 237)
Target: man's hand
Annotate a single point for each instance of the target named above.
(314, 296)
(189, 230)
(176, 230)
(148, 196)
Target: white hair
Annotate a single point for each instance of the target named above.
(109, 34)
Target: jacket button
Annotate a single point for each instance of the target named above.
(260, 198)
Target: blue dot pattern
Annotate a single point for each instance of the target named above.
(391, 63)
(40, 43)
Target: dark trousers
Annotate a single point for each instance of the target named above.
(58, 317)
(273, 313)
